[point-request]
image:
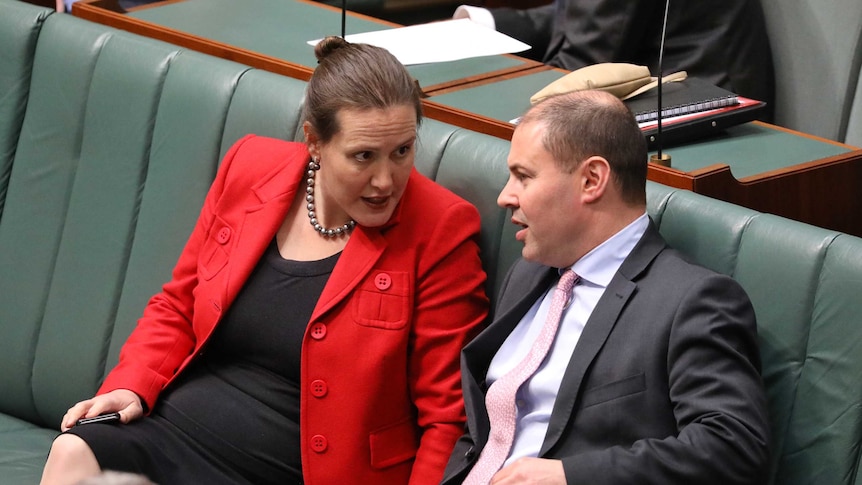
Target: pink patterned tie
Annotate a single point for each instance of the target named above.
(500, 399)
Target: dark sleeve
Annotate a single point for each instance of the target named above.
(532, 26)
(717, 399)
(458, 466)
(466, 452)
(593, 31)
(575, 33)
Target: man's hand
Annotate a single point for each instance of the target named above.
(536, 471)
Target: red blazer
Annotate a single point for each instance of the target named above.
(381, 392)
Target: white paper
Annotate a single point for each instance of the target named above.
(448, 40)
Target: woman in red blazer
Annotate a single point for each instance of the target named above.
(312, 328)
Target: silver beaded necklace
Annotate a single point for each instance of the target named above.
(313, 167)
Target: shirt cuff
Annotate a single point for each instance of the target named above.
(481, 16)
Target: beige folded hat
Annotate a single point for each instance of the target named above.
(620, 79)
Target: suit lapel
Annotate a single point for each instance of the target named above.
(599, 326)
(522, 290)
(595, 333)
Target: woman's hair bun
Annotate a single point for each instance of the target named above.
(328, 45)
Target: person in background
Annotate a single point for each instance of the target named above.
(721, 41)
(610, 358)
(312, 327)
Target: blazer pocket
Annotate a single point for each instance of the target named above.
(384, 300)
(394, 444)
(214, 254)
(614, 390)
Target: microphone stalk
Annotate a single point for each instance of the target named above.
(344, 17)
(659, 157)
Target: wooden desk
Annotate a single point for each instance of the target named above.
(818, 184)
(756, 165)
(272, 35)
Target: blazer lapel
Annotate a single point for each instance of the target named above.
(264, 214)
(363, 250)
(358, 258)
(596, 331)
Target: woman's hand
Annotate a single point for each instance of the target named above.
(123, 401)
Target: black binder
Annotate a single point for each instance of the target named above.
(691, 109)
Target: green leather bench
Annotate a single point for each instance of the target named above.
(108, 143)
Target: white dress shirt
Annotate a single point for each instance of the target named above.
(481, 16)
(536, 397)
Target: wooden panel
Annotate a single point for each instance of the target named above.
(823, 192)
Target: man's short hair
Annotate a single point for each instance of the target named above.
(583, 124)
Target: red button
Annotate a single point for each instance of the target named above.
(318, 388)
(223, 235)
(382, 281)
(318, 331)
(318, 443)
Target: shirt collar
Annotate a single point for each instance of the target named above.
(600, 265)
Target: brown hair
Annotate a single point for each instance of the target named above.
(355, 76)
(593, 123)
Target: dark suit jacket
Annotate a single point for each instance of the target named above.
(722, 41)
(663, 386)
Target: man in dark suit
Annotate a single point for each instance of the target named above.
(722, 41)
(653, 376)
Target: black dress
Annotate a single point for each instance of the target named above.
(233, 416)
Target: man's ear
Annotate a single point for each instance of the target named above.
(311, 140)
(595, 177)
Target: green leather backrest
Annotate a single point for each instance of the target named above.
(20, 24)
(265, 104)
(432, 140)
(40, 182)
(112, 164)
(805, 284)
(474, 166)
(183, 159)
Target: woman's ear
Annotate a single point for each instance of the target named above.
(311, 140)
